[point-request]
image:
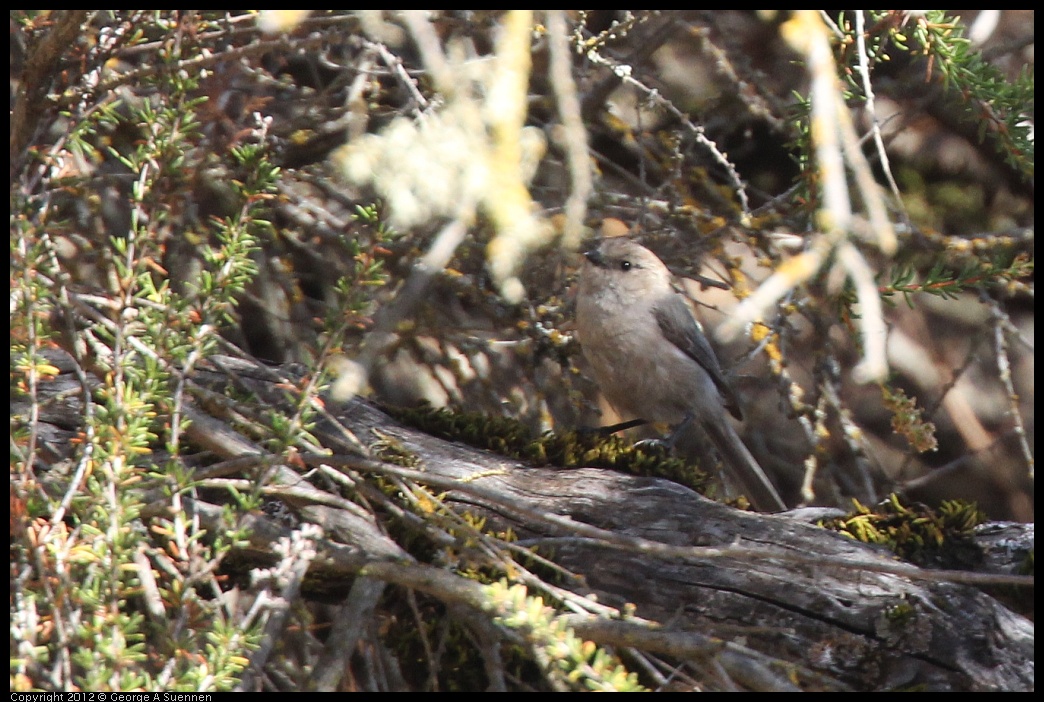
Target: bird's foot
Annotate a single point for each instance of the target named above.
(664, 445)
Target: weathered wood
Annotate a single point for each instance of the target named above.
(804, 597)
(873, 630)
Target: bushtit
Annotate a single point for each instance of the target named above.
(651, 359)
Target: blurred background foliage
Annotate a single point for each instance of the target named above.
(398, 199)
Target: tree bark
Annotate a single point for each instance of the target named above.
(771, 598)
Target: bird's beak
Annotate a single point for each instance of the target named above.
(595, 257)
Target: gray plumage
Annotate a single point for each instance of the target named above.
(652, 360)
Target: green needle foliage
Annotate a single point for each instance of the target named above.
(105, 597)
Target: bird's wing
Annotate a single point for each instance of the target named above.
(680, 328)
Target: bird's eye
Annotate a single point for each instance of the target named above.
(625, 265)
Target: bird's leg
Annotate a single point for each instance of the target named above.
(612, 428)
(667, 443)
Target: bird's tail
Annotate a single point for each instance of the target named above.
(743, 468)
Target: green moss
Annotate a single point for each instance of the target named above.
(939, 538)
(390, 450)
(902, 613)
(571, 449)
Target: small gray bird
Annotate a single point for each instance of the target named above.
(652, 360)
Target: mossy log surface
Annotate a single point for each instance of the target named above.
(776, 590)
